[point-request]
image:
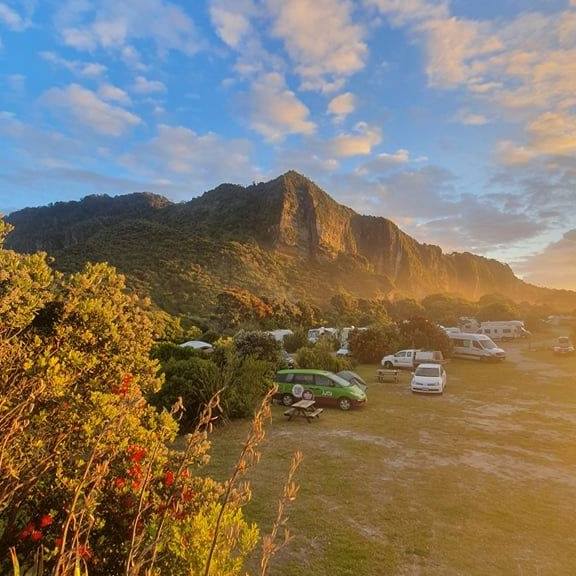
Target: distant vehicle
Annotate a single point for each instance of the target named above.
(467, 324)
(288, 359)
(314, 334)
(345, 334)
(353, 378)
(410, 359)
(429, 378)
(320, 385)
(280, 334)
(475, 347)
(504, 329)
(450, 329)
(198, 345)
(563, 345)
(343, 352)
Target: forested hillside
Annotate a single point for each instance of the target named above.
(285, 239)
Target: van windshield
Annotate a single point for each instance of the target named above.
(427, 372)
(488, 344)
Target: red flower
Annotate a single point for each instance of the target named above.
(29, 528)
(135, 471)
(46, 520)
(136, 453)
(84, 552)
(136, 485)
(185, 473)
(119, 483)
(36, 535)
(59, 542)
(169, 478)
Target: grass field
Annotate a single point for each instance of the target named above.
(479, 481)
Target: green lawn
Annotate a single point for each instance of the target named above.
(479, 481)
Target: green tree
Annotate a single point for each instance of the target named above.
(259, 345)
(421, 333)
(368, 346)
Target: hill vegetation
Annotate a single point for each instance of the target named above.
(283, 240)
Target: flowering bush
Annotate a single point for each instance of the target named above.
(88, 480)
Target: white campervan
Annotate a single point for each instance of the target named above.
(475, 347)
(504, 329)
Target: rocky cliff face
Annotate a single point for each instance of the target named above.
(285, 236)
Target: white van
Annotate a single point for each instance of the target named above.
(504, 330)
(475, 347)
(410, 359)
(314, 334)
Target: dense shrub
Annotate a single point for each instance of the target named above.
(164, 351)
(243, 382)
(295, 341)
(421, 333)
(320, 359)
(368, 346)
(88, 479)
(257, 344)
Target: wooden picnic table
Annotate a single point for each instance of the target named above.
(387, 375)
(304, 408)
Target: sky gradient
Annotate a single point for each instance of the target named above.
(457, 120)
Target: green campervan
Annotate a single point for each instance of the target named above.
(319, 385)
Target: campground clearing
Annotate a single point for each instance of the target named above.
(479, 481)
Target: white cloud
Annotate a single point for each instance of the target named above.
(85, 69)
(144, 86)
(470, 118)
(357, 143)
(275, 111)
(113, 94)
(384, 162)
(510, 154)
(231, 18)
(203, 159)
(111, 24)
(321, 38)
(86, 108)
(555, 266)
(11, 19)
(342, 105)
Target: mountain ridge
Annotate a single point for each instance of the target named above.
(284, 238)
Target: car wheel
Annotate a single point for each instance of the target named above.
(344, 404)
(287, 399)
(388, 365)
(307, 395)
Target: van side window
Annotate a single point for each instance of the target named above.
(304, 379)
(477, 345)
(323, 380)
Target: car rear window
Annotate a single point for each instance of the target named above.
(428, 372)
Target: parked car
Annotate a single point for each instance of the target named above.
(429, 379)
(410, 359)
(475, 347)
(205, 347)
(320, 385)
(343, 352)
(353, 378)
(563, 345)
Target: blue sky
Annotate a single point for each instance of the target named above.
(455, 119)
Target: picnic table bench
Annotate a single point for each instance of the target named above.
(304, 408)
(387, 375)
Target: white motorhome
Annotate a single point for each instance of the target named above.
(475, 347)
(280, 334)
(504, 329)
(314, 334)
(345, 333)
